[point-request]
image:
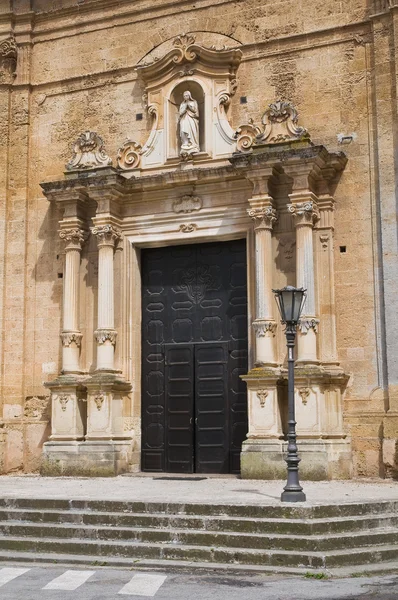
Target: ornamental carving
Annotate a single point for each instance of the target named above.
(262, 327)
(105, 335)
(74, 237)
(187, 204)
(71, 337)
(306, 213)
(88, 153)
(37, 407)
(63, 399)
(8, 60)
(263, 217)
(99, 400)
(129, 155)
(262, 396)
(279, 125)
(304, 393)
(324, 239)
(196, 282)
(306, 324)
(106, 235)
(187, 227)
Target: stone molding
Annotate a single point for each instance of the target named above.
(264, 218)
(187, 227)
(263, 326)
(71, 337)
(129, 155)
(305, 213)
(106, 235)
(88, 153)
(304, 325)
(74, 238)
(8, 60)
(105, 335)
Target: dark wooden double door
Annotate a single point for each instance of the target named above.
(194, 348)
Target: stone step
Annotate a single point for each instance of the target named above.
(210, 539)
(134, 551)
(207, 523)
(197, 509)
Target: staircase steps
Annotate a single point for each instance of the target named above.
(295, 538)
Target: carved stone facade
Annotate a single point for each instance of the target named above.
(290, 151)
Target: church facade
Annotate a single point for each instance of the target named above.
(165, 167)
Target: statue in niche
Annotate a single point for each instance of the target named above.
(189, 125)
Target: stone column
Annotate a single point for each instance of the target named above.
(106, 334)
(305, 211)
(264, 324)
(70, 335)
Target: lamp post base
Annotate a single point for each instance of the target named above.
(293, 496)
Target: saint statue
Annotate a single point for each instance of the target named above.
(189, 125)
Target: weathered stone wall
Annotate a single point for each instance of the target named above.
(75, 71)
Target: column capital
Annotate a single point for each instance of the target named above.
(71, 337)
(264, 326)
(263, 217)
(307, 323)
(305, 213)
(74, 237)
(105, 335)
(106, 235)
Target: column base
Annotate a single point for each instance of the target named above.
(86, 459)
(322, 459)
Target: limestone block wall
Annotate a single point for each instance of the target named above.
(75, 71)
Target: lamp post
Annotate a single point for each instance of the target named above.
(290, 301)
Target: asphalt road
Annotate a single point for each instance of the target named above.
(64, 583)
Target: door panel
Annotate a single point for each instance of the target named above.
(194, 346)
(179, 408)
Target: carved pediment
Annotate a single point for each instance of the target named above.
(199, 59)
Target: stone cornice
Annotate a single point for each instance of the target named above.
(111, 180)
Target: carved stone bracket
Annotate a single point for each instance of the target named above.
(88, 153)
(308, 323)
(106, 335)
(306, 213)
(99, 400)
(8, 60)
(279, 125)
(74, 238)
(262, 396)
(71, 337)
(187, 204)
(264, 218)
(129, 155)
(262, 327)
(106, 235)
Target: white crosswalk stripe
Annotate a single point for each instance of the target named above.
(9, 573)
(69, 581)
(143, 584)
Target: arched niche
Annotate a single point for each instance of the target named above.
(174, 101)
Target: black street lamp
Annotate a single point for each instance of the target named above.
(290, 301)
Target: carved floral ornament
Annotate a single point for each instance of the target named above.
(105, 335)
(63, 399)
(304, 394)
(69, 338)
(262, 396)
(99, 400)
(88, 153)
(8, 60)
(279, 124)
(308, 323)
(262, 327)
